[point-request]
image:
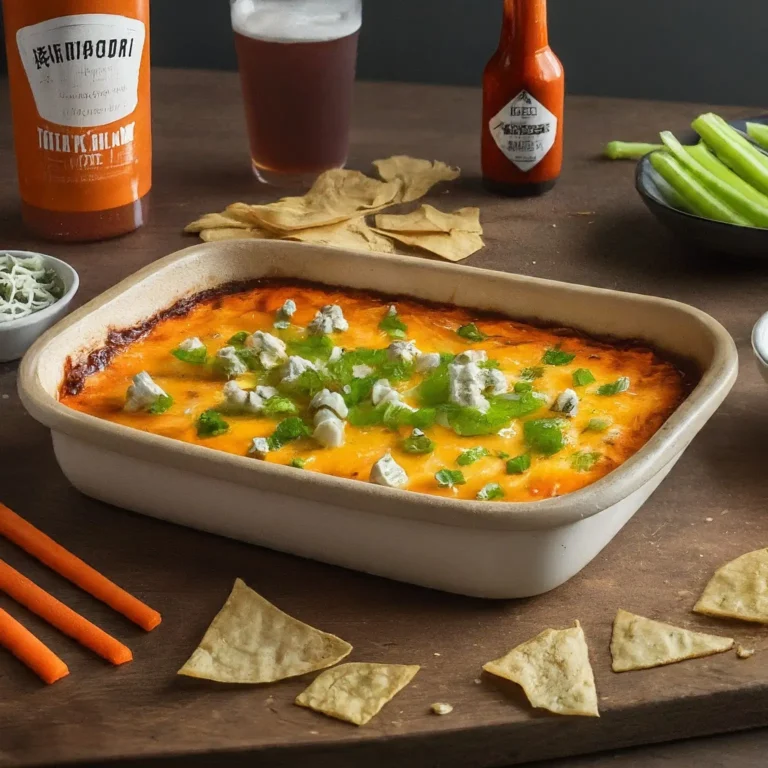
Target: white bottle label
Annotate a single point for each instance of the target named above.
(524, 130)
(83, 70)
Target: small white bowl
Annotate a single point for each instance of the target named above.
(16, 336)
(760, 344)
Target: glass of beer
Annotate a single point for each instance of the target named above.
(297, 69)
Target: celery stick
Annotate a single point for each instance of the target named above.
(701, 153)
(734, 150)
(758, 132)
(671, 196)
(628, 150)
(754, 212)
(698, 197)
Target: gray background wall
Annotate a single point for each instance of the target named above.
(695, 50)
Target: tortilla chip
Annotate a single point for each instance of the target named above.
(252, 641)
(214, 221)
(454, 245)
(356, 692)
(335, 196)
(640, 643)
(428, 219)
(739, 589)
(416, 176)
(231, 233)
(353, 233)
(744, 653)
(554, 671)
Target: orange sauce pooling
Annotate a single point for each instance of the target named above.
(656, 389)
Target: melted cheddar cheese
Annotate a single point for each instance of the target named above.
(606, 430)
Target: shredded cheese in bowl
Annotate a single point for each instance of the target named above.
(26, 286)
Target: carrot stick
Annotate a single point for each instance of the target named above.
(30, 651)
(47, 607)
(71, 567)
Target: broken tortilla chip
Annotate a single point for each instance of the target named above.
(416, 176)
(353, 233)
(231, 233)
(739, 589)
(355, 691)
(554, 671)
(640, 643)
(454, 245)
(215, 221)
(428, 219)
(335, 196)
(252, 641)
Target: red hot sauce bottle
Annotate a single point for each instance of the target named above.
(523, 95)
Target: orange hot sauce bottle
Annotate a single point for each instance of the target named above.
(79, 77)
(523, 95)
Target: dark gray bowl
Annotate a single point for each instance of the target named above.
(705, 233)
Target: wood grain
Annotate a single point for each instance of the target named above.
(710, 509)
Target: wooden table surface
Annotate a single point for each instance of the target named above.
(710, 509)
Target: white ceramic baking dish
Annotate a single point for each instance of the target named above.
(760, 345)
(498, 550)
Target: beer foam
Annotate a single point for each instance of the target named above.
(296, 21)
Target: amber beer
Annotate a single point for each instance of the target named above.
(297, 68)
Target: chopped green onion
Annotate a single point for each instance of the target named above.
(161, 405)
(447, 478)
(523, 386)
(582, 377)
(502, 454)
(396, 415)
(470, 422)
(196, 356)
(211, 424)
(545, 435)
(436, 388)
(392, 325)
(489, 364)
(472, 455)
(309, 383)
(298, 463)
(532, 373)
(583, 461)
(423, 418)
(615, 387)
(556, 356)
(279, 405)
(391, 415)
(519, 464)
(358, 389)
(628, 150)
(311, 348)
(597, 425)
(490, 492)
(286, 431)
(418, 443)
(471, 332)
(250, 357)
(238, 339)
